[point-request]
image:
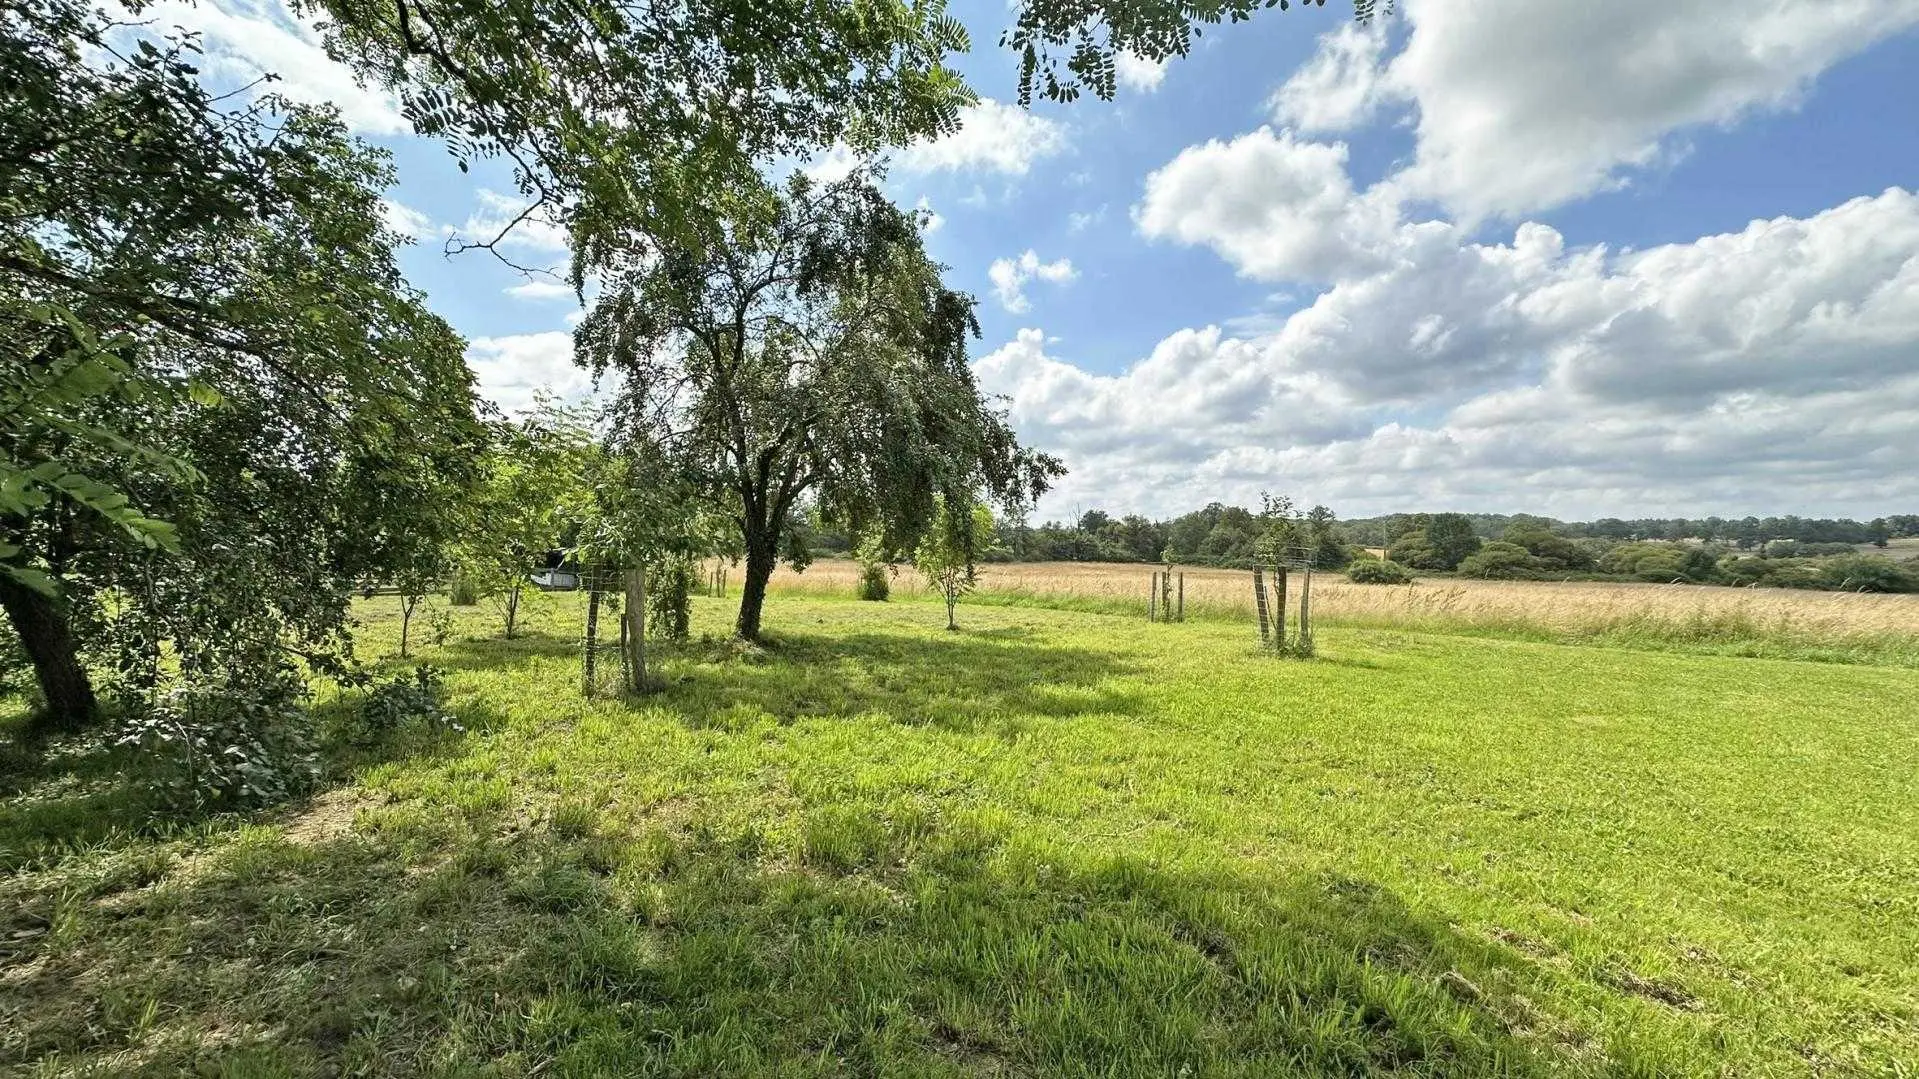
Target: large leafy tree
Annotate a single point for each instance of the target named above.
(620, 116)
(224, 406)
(806, 348)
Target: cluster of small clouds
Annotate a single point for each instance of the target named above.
(500, 217)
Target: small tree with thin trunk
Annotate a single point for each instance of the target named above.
(806, 347)
(529, 499)
(945, 555)
(645, 517)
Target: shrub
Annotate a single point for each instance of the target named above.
(873, 571)
(1553, 551)
(670, 602)
(409, 698)
(873, 583)
(1867, 573)
(1662, 562)
(230, 743)
(1378, 571)
(1500, 559)
(462, 592)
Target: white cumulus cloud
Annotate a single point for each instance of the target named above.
(993, 137)
(1339, 88)
(1138, 73)
(1520, 106)
(406, 220)
(245, 39)
(1692, 378)
(510, 369)
(1276, 207)
(1010, 277)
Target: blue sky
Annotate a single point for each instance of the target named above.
(1646, 257)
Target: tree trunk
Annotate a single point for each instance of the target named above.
(47, 638)
(952, 600)
(406, 621)
(759, 569)
(636, 628)
(512, 608)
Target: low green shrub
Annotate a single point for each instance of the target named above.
(874, 572)
(462, 591)
(670, 600)
(222, 744)
(1378, 571)
(411, 698)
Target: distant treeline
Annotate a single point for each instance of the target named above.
(1745, 533)
(1799, 552)
(1223, 535)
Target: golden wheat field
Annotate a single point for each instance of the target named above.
(1574, 609)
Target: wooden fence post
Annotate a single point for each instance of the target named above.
(1279, 612)
(1259, 603)
(633, 630)
(1152, 599)
(1182, 597)
(1306, 612)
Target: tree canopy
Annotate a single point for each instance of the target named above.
(253, 411)
(622, 118)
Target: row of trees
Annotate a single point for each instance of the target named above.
(1216, 535)
(1745, 533)
(1223, 535)
(1527, 551)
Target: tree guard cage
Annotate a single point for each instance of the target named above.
(603, 651)
(1276, 569)
(1166, 596)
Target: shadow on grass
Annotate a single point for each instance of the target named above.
(965, 682)
(499, 653)
(85, 792)
(427, 940)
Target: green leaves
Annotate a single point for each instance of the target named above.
(220, 404)
(629, 116)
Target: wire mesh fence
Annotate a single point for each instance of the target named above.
(603, 652)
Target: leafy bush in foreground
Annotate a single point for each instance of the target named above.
(225, 744)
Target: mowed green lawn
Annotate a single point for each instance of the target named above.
(1051, 844)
